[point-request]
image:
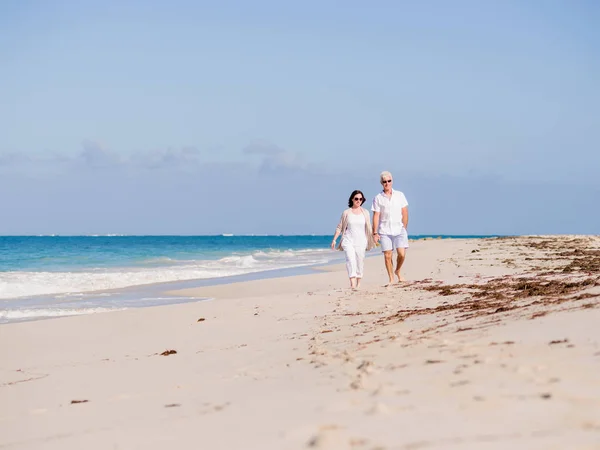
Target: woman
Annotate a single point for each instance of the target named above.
(355, 229)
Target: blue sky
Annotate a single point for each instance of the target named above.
(157, 117)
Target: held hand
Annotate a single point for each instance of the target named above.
(332, 245)
(376, 237)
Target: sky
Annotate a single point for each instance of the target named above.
(193, 117)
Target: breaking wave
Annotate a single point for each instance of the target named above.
(18, 284)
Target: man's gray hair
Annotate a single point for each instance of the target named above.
(385, 174)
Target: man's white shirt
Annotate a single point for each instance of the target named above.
(390, 212)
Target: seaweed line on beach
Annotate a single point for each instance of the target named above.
(504, 294)
(570, 268)
(567, 279)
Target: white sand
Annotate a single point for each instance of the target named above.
(302, 362)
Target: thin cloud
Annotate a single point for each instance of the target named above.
(97, 155)
(262, 147)
(12, 159)
(275, 158)
(94, 156)
(167, 158)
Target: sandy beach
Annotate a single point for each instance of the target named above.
(491, 344)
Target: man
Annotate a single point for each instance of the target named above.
(390, 224)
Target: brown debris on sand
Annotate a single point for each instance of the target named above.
(572, 269)
(502, 295)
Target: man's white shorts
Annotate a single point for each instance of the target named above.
(392, 242)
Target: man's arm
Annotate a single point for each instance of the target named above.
(405, 217)
(376, 212)
(375, 221)
(376, 225)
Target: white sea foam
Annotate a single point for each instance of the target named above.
(28, 284)
(240, 261)
(38, 313)
(161, 260)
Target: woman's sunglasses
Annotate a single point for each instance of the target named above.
(358, 199)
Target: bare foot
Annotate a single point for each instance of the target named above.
(352, 283)
(401, 279)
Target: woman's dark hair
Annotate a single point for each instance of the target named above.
(350, 202)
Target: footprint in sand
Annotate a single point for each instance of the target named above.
(211, 408)
(329, 439)
(358, 383)
(366, 367)
(379, 408)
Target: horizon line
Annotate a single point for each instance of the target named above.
(246, 235)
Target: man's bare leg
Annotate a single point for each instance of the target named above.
(399, 262)
(389, 266)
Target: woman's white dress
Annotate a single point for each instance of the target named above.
(354, 243)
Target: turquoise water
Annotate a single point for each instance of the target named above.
(47, 276)
(60, 253)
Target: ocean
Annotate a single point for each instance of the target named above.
(53, 276)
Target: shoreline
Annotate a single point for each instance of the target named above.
(485, 328)
(163, 292)
(160, 293)
(143, 285)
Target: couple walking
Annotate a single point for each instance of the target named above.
(390, 221)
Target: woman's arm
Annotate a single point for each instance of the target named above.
(338, 231)
(368, 230)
